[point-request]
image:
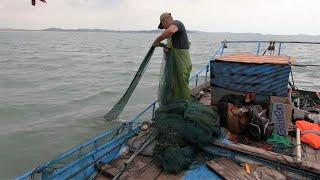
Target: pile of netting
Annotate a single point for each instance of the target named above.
(182, 126)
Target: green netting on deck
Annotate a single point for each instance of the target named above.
(182, 126)
(180, 129)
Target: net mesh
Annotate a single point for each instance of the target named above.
(119, 106)
(182, 125)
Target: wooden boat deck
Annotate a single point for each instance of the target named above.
(143, 168)
(309, 154)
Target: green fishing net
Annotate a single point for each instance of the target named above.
(168, 156)
(281, 144)
(281, 141)
(174, 75)
(182, 125)
(179, 129)
(119, 106)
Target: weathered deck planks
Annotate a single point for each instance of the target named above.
(228, 169)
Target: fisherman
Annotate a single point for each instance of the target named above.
(178, 51)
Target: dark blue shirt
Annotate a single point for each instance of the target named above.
(180, 38)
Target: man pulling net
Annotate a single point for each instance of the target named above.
(182, 126)
(177, 55)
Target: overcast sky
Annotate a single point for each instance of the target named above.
(259, 16)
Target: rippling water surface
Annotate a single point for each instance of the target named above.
(55, 87)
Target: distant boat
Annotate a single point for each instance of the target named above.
(103, 156)
(33, 2)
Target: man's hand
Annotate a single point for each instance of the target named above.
(167, 33)
(156, 43)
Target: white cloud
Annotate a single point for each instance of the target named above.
(261, 16)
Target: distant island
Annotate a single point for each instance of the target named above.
(108, 30)
(94, 30)
(53, 29)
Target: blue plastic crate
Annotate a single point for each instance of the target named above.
(269, 79)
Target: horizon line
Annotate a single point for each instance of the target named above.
(150, 30)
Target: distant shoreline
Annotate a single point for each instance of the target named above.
(92, 30)
(142, 31)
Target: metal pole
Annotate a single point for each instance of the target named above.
(141, 147)
(153, 109)
(258, 49)
(222, 50)
(279, 51)
(95, 145)
(197, 80)
(287, 42)
(207, 72)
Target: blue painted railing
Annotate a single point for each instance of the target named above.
(104, 149)
(59, 169)
(206, 68)
(277, 43)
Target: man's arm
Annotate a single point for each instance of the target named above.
(167, 33)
